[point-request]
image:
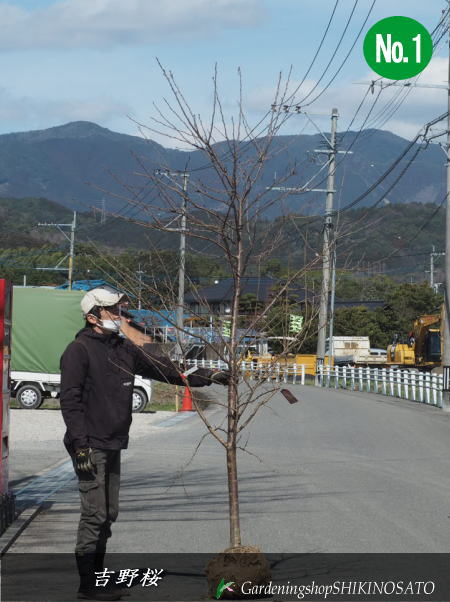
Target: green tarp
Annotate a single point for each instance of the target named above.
(44, 321)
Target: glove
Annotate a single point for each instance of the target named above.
(203, 377)
(83, 460)
(221, 377)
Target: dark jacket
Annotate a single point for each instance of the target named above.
(97, 378)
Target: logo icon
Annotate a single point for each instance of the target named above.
(222, 587)
(398, 47)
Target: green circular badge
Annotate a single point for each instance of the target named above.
(398, 47)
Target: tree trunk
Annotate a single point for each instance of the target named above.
(233, 489)
(233, 393)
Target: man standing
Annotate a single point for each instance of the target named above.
(97, 376)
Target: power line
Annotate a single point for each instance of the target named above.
(396, 162)
(251, 132)
(367, 117)
(333, 54)
(358, 133)
(345, 58)
(417, 232)
(288, 98)
(209, 166)
(317, 52)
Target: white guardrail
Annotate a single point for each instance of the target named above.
(407, 384)
(293, 373)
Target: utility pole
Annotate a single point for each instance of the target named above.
(72, 248)
(71, 254)
(182, 269)
(103, 211)
(432, 268)
(332, 298)
(433, 254)
(182, 264)
(327, 243)
(139, 272)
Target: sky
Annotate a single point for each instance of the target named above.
(95, 60)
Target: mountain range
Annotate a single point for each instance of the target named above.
(81, 165)
(394, 239)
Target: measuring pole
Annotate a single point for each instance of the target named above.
(327, 244)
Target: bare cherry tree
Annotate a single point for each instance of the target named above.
(220, 204)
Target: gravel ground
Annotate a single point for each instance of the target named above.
(47, 425)
(35, 440)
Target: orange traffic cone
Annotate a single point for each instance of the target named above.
(187, 401)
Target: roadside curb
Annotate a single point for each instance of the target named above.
(17, 527)
(58, 474)
(172, 420)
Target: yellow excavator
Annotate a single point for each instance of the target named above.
(423, 347)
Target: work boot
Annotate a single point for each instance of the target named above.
(99, 565)
(88, 590)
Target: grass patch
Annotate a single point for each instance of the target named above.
(160, 407)
(163, 399)
(49, 403)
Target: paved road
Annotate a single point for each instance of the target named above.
(36, 441)
(337, 472)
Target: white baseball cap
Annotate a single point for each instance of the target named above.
(103, 297)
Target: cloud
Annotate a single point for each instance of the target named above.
(32, 113)
(106, 23)
(419, 105)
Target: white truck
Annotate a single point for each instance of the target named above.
(44, 321)
(356, 350)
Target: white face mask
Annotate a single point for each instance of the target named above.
(110, 325)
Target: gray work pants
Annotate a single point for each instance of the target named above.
(99, 496)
